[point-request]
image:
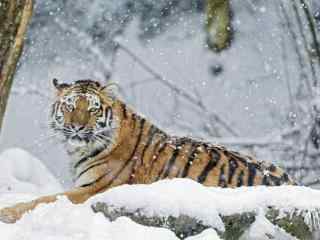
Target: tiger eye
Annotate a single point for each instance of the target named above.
(95, 110)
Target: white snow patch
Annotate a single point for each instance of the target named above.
(23, 178)
(23, 173)
(184, 196)
(28, 178)
(263, 229)
(65, 221)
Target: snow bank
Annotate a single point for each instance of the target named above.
(48, 222)
(65, 221)
(23, 177)
(21, 172)
(183, 196)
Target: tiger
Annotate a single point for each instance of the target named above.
(110, 144)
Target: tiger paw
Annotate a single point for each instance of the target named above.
(9, 215)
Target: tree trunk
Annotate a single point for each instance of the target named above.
(219, 32)
(14, 18)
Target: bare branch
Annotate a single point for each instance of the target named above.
(192, 99)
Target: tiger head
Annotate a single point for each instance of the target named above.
(83, 114)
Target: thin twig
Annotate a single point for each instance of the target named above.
(305, 43)
(312, 28)
(294, 37)
(181, 92)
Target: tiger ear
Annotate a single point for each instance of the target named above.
(59, 86)
(110, 89)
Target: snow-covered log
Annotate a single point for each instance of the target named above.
(235, 225)
(187, 208)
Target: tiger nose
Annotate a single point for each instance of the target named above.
(77, 128)
(80, 117)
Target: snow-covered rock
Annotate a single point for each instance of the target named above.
(186, 197)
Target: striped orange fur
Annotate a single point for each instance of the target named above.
(110, 144)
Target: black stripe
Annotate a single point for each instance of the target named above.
(237, 156)
(265, 180)
(275, 180)
(95, 181)
(90, 167)
(233, 165)
(246, 160)
(93, 154)
(154, 160)
(285, 178)
(213, 161)
(193, 151)
(271, 168)
(222, 177)
(240, 179)
(171, 162)
(109, 109)
(252, 173)
(124, 110)
(151, 133)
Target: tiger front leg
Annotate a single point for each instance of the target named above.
(14, 213)
(9, 215)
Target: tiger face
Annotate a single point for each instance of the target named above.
(83, 114)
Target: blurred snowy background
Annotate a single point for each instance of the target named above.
(259, 95)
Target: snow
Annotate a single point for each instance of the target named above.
(184, 196)
(267, 230)
(50, 221)
(27, 178)
(31, 174)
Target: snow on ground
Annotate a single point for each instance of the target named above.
(28, 178)
(23, 177)
(65, 221)
(31, 174)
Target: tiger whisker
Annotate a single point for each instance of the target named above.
(104, 137)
